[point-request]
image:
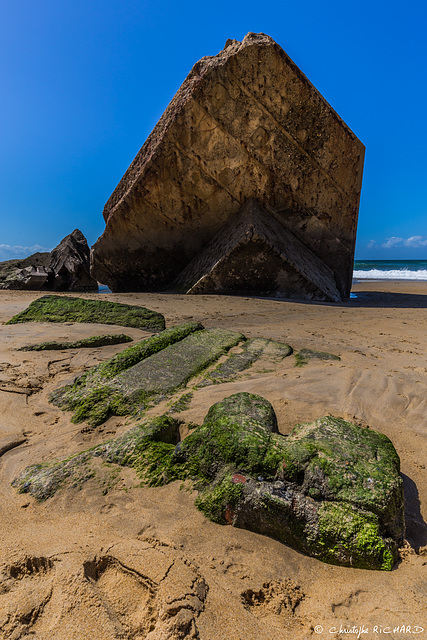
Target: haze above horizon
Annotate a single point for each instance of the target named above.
(84, 83)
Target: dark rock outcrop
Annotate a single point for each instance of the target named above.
(28, 273)
(245, 124)
(65, 268)
(69, 265)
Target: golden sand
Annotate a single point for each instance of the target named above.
(115, 560)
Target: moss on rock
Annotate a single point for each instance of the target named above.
(145, 373)
(72, 309)
(331, 489)
(91, 396)
(250, 352)
(303, 356)
(85, 343)
(240, 430)
(351, 536)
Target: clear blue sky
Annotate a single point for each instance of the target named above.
(83, 82)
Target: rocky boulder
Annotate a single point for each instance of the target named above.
(65, 268)
(330, 489)
(28, 273)
(69, 265)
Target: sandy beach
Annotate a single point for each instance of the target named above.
(112, 559)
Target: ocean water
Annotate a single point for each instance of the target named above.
(390, 270)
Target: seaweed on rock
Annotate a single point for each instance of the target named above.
(330, 489)
(85, 343)
(145, 373)
(72, 309)
(303, 356)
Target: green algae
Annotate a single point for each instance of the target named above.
(251, 351)
(348, 535)
(72, 309)
(216, 500)
(91, 397)
(85, 343)
(166, 362)
(303, 356)
(144, 349)
(240, 430)
(147, 447)
(175, 365)
(182, 404)
(345, 462)
(330, 489)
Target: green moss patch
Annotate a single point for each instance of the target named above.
(71, 309)
(303, 356)
(342, 461)
(250, 352)
(331, 489)
(147, 447)
(85, 343)
(145, 373)
(182, 404)
(351, 536)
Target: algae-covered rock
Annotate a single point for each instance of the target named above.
(303, 356)
(71, 309)
(330, 489)
(85, 343)
(144, 373)
(148, 447)
(250, 352)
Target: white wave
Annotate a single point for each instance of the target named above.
(393, 274)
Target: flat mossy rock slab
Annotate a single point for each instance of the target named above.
(86, 343)
(174, 366)
(330, 489)
(303, 356)
(145, 373)
(71, 309)
(144, 447)
(251, 351)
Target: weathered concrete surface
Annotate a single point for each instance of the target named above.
(144, 376)
(250, 352)
(246, 123)
(254, 253)
(174, 366)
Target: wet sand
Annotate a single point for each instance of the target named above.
(112, 559)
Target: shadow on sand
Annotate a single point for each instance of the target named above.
(416, 528)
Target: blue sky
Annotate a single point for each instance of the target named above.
(83, 83)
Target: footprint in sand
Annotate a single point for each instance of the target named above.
(25, 590)
(126, 595)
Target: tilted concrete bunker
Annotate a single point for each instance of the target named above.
(246, 125)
